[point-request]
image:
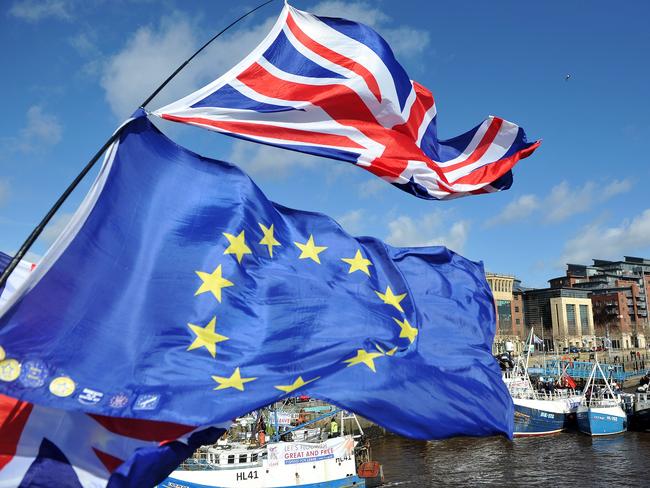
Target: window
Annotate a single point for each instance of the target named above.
(517, 321)
(584, 319)
(571, 319)
(516, 309)
(231, 459)
(505, 316)
(253, 457)
(243, 458)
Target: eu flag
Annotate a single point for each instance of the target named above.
(180, 290)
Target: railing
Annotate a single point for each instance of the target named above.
(582, 369)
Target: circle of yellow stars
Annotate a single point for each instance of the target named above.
(214, 282)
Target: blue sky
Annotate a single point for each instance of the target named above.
(74, 69)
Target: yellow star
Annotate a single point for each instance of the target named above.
(390, 299)
(310, 250)
(408, 331)
(299, 383)
(235, 381)
(213, 282)
(358, 263)
(206, 337)
(365, 357)
(268, 240)
(237, 245)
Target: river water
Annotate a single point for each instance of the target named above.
(568, 459)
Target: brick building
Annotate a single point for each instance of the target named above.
(509, 306)
(618, 291)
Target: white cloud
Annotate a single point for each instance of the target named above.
(153, 52)
(41, 130)
(616, 187)
(35, 10)
(55, 227)
(598, 241)
(430, 230)
(404, 40)
(562, 202)
(518, 209)
(147, 59)
(84, 44)
(4, 191)
(352, 221)
(372, 186)
(267, 162)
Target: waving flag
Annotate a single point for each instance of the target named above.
(16, 278)
(197, 307)
(49, 447)
(333, 88)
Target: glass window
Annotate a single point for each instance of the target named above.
(505, 316)
(231, 459)
(584, 319)
(243, 458)
(571, 318)
(253, 457)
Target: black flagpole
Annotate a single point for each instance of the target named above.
(39, 228)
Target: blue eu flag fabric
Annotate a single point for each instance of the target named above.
(180, 289)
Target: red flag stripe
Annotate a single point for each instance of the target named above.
(335, 57)
(482, 147)
(270, 131)
(491, 172)
(144, 430)
(423, 102)
(111, 463)
(13, 418)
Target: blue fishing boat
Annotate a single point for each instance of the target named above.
(538, 413)
(600, 412)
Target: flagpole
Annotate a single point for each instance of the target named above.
(39, 228)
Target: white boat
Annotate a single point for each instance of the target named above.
(339, 462)
(600, 412)
(330, 463)
(537, 413)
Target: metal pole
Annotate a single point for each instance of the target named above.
(39, 228)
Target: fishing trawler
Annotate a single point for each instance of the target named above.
(538, 412)
(338, 462)
(600, 411)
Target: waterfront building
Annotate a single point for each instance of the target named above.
(561, 317)
(509, 305)
(619, 297)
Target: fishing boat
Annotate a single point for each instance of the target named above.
(638, 411)
(339, 462)
(600, 411)
(538, 412)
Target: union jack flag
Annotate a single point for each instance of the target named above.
(333, 88)
(48, 447)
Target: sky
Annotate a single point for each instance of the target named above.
(73, 70)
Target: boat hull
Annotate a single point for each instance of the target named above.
(599, 421)
(330, 464)
(351, 482)
(539, 417)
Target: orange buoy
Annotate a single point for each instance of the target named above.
(369, 469)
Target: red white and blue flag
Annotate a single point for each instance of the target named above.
(49, 447)
(333, 88)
